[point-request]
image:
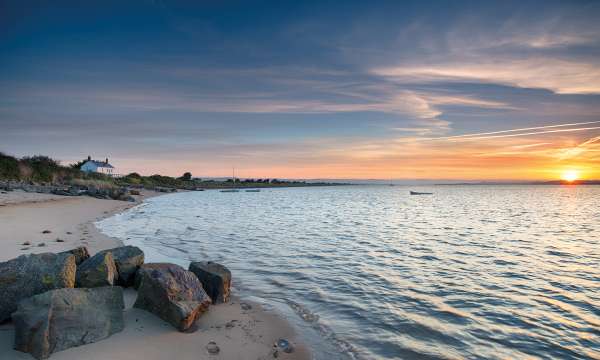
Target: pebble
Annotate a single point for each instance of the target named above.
(46, 232)
(230, 324)
(26, 243)
(212, 348)
(59, 240)
(245, 306)
(41, 244)
(285, 345)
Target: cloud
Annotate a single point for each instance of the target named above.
(590, 145)
(560, 76)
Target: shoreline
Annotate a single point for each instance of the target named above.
(241, 332)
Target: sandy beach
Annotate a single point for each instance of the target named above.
(240, 332)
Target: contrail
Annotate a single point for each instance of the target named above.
(478, 135)
(520, 134)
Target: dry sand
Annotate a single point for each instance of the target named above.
(239, 333)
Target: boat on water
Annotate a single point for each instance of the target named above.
(233, 189)
(420, 193)
(253, 190)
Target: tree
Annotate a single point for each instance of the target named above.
(186, 176)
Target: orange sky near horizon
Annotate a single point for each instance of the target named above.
(529, 157)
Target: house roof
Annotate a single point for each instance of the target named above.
(100, 164)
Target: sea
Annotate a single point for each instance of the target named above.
(372, 272)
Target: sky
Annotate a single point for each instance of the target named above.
(457, 90)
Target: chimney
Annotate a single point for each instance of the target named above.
(89, 158)
(107, 160)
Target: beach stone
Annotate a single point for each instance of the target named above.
(285, 346)
(215, 279)
(212, 348)
(81, 254)
(60, 319)
(33, 274)
(128, 260)
(173, 294)
(99, 270)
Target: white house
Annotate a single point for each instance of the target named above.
(98, 166)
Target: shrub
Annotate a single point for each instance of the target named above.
(9, 167)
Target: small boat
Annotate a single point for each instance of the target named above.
(420, 193)
(233, 189)
(253, 190)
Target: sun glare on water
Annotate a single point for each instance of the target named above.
(570, 175)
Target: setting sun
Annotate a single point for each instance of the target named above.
(570, 175)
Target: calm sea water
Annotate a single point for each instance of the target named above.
(370, 272)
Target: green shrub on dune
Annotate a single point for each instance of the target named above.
(9, 167)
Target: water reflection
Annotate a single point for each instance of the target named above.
(470, 272)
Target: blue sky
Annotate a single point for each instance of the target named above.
(305, 89)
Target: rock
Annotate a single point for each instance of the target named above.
(145, 268)
(41, 244)
(99, 270)
(212, 348)
(284, 345)
(128, 260)
(27, 243)
(59, 240)
(30, 275)
(215, 278)
(46, 232)
(134, 192)
(81, 254)
(245, 306)
(60, 319)
(173, 294)
(230, 324)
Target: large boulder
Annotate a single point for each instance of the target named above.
(60, 319)
(29, 275)
(81, 254)
(127, 259)
(215, 279)
(173, 294)
(99, 270)
(145, 268)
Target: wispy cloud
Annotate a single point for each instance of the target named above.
(560, 76)
(590, 145)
